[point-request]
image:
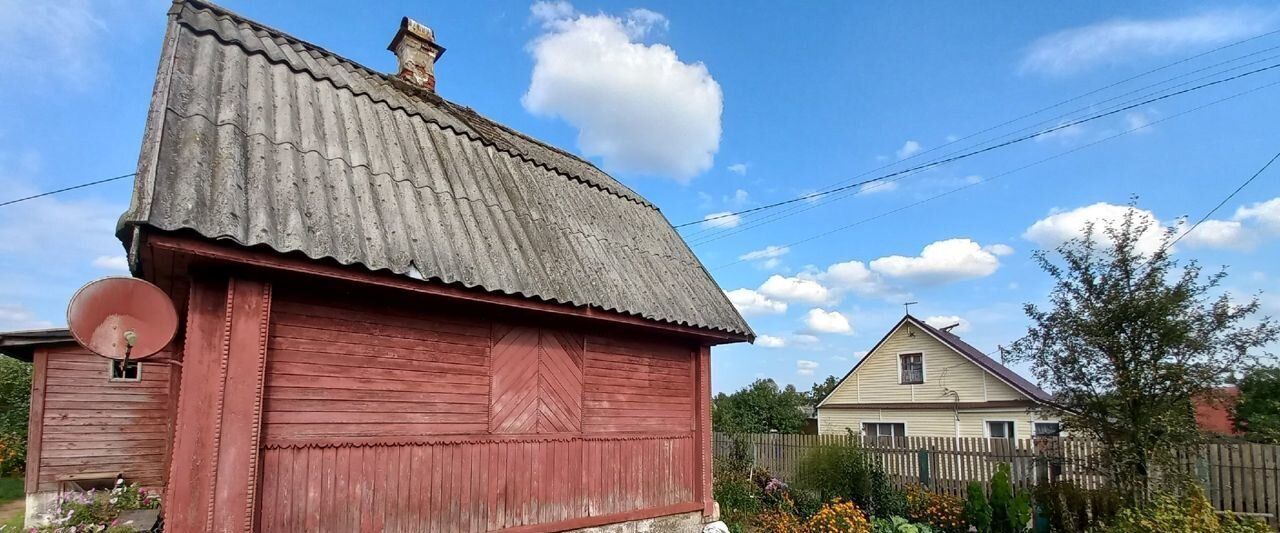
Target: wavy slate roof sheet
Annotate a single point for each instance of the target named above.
(262, 139)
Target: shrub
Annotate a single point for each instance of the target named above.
(1070, 509)
(1010, 508)
(841, 516)
(845, 471)
(1189, 513)
(733, 488)
(898, 524)
(940, 511)
(976, 509)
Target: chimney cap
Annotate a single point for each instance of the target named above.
(419, 31)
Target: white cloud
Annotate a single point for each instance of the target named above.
(805, 367)
(1051, 231)
(723, 219)
(112, 262)
(1265, 214)
(740, 198)
(942, 321)
(854, 276)
(1139, 121)
(819, 320)
(769, 341)
(738, 168)
(41, 40)
(908, 149)
(636, 105)
(999, 249)
(940, 262)
(878, 186)
(1219, 234)
(805, 338)
(768, 257)
(16, 317)
(750, 302)
(795, 289)
(1120, 40)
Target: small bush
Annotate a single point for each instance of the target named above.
(1010, 508)
(1189, 513)
(944, 513)
(976, 509)
(846, 472)
(898, 524)
(96, 511)
(1070, 509)
(841, 516)
(733, 488)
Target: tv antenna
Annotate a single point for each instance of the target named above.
(906, 307)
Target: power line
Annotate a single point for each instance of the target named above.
(71, 188)
(983, 150)
(713, 233)
(1224, 200)
(1008, 172)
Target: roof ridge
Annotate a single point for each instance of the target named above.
(982, 359)
(410, 92)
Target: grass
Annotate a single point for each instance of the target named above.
(11, 489)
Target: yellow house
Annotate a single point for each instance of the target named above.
(922, 381)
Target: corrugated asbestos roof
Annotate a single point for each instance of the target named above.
(260, 138)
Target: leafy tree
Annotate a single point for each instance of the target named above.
(1257, 411)
(15, 404)
(822, 389)
(1129, 336)
(760, 407)
(976, 509)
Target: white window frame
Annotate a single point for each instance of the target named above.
(111, 372)
(862, 426)
(1061, 433)
(924, 368)
(1012, 425)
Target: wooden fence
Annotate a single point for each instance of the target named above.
(1240, 477)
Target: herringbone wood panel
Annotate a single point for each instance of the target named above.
(537, 381)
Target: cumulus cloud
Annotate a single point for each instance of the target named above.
(855, 277)
(908, 149)
(795, 289)
(1265, 214)
(36, 35)
(999, 249)
(1057, 228)
(940, 262)
(805, 367)
(768, 257)
(1250, 225)
(723, 219)
(750, 302)
(635, 105)
(738, 168)
(1120, 40)
(942, 321)
(769, 341)
(112, 262)
(819, 320)
(17, 317)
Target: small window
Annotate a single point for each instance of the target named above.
(1000, 429)
(125, 370)
(1048, 429)
(912, 368)
(884, 430)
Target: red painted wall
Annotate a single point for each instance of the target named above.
(379, 415)
(83, 422)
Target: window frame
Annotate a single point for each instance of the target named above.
(1010, 425)
(113, 364)
(924, 368)
(878, 423)
(1036, 434)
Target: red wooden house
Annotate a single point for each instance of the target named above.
(399, 315)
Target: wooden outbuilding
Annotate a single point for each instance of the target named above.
(397, 315)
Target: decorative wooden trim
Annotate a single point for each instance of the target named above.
(934, 405)
(445, 440)
(220, 394)
(704, 430)
(278, 261)
(35, 420)
(592, 521)
(264, 323)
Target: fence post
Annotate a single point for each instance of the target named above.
(923, 459)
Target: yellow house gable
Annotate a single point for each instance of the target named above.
(949, 376)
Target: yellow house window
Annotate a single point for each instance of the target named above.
(912, 368)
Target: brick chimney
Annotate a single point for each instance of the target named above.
(416, 49)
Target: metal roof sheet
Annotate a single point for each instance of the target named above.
(262, 139)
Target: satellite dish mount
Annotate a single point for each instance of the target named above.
(122, 318)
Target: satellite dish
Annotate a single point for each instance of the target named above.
(122, 318)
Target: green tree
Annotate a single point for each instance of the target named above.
(1257, 411)
(1129, 336)
(821, 390)
(760, 407)
(15, 404)
(976, 509)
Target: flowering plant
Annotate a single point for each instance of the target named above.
(98, 511)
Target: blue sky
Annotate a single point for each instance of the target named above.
(711, 108)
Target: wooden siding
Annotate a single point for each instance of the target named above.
(472, 485)
(89, 423)
(392, 416)
(876, 379)
(929, 422)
